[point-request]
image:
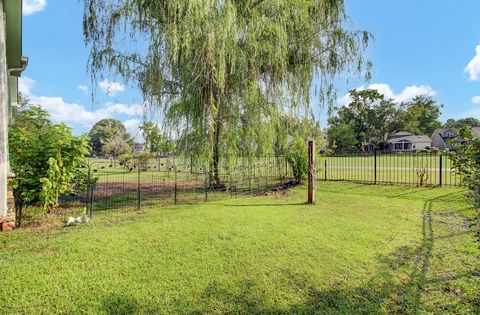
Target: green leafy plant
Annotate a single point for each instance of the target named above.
(141, 160)
(297, 157)
(125, 160)
(466, 160)
(45, 157)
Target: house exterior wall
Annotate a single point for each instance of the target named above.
(11, 66)
(437, 141)
(4, 111)
(422, 145)
(411, 145)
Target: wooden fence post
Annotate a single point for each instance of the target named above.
(311, 171)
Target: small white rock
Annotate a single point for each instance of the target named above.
(71, 221)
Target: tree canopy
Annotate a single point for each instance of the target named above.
(104, 131)
(155, 140)
(421, 115)
(370, 118)
(462, 122)
(217, 67)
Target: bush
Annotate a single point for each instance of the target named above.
(142, 159)
(46, 158)
(466, 160)
(297, 157)
(125, 159)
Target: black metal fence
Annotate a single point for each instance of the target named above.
(394, 168)
(176, 180)
(180, 180)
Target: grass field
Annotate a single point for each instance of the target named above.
(359, 249)
(390, 168)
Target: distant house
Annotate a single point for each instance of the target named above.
(443, 138)
(407, 141)
(402, 141)
(138, 147)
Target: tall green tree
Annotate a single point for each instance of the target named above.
(421, 115)
(155, 140)
(462, 122)
(342, 138)
(369, 116)
(116, 146)
(290, 127)
(209, 64)
(105, 131)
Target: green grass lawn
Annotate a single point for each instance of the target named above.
(360, 249)
(391, 168)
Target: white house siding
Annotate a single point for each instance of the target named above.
(3, 117)
(422, 145)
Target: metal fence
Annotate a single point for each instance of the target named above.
(181, 180)
(395, 168)
(175, 180)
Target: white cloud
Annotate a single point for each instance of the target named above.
(111, 88)
(33, 6)
(476, 100)
(25, 84)
(129, 110)
(132, 126)
(473, 67)
(83, 88)
(408, 93)
(73, 113)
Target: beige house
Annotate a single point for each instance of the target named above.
(406, 141)
(12, 63)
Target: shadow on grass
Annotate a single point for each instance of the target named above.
(117, 304)
(397, 288)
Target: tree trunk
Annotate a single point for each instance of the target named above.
(214, 170)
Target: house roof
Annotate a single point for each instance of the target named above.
(401, 134)
(476, 130)
(442, 130)
(412, 138)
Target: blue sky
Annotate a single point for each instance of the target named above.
(421, 47)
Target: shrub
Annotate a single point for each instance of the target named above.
(125, 159)
(45, 157)
(297, 157)
(142, 159)
(466, 160)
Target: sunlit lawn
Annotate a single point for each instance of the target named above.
(360, 249)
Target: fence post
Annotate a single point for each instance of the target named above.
(175, 186)
(138, 185)
(311, 171)
(375, 167)
(440, 164)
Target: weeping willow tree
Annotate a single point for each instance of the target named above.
(220, 69)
